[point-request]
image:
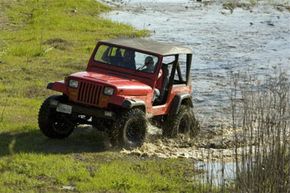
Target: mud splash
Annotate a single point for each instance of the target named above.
(173, 149)
(208, 145)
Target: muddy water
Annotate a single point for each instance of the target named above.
(255, 41)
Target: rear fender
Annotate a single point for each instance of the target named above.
(179, 100)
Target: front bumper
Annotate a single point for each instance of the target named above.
(83, 110)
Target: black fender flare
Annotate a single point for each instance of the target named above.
(50, 85)
(177, 101)
(133, 103)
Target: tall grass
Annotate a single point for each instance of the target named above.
(260, 160)
(264, 165)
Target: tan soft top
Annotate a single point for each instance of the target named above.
(150, 46)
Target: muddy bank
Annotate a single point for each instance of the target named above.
(213, 153)
(173, 149)
(208, 145)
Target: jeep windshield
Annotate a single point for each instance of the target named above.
(126, 58)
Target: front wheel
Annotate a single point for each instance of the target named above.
(183, 123)
(130, 129)
(51, 123)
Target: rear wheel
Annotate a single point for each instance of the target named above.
(130, 129)
(182, 124)
(54, 124)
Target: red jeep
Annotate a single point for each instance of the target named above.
(127, 82)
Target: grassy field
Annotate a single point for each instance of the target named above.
(43, 41)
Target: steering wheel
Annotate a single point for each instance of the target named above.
(141, 68)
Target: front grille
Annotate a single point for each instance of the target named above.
(89, 93)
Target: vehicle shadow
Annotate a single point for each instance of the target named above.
(81, 140)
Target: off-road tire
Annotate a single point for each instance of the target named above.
(48, 119)
(183, 123)
(130, 129)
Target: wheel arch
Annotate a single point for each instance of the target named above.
(178, 100)
(132, 104)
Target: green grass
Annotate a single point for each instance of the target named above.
(46, 40)
(43, 41)
(90, 172)
(29, 162)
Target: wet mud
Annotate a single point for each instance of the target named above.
(215, 145)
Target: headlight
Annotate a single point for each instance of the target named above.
(73, 83)
(108, 91)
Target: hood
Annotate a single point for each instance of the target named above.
(123, 85)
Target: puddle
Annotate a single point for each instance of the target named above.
(217, 173)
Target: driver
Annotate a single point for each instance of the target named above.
(148, 65)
